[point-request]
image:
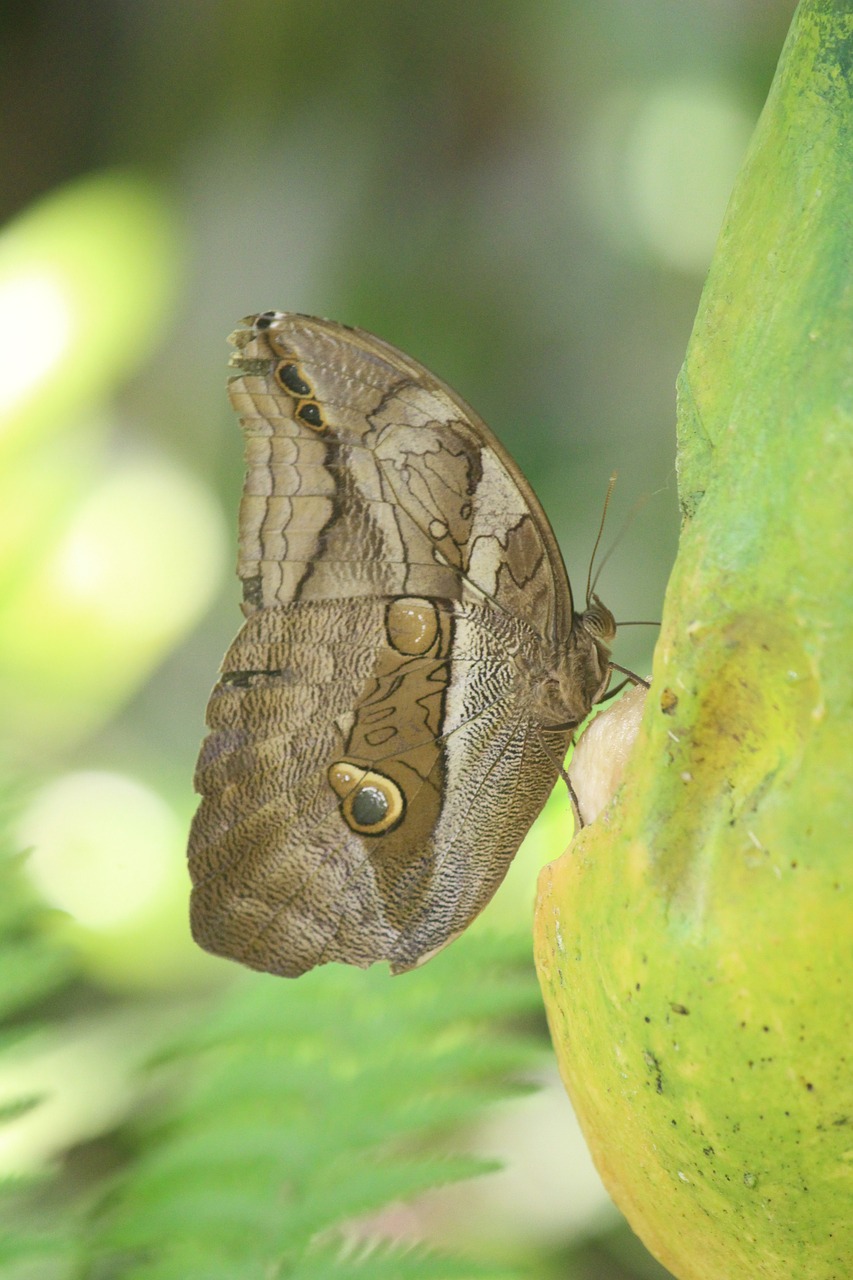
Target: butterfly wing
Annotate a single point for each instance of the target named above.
(373, 760)
(361, 801)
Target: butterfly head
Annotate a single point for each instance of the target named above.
(598, 622)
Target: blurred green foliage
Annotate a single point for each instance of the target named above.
(524, 197)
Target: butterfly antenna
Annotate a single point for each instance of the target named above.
(632, 515)
(590, 583)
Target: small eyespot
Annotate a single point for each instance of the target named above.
(290, 378)
(310, 412)
(412, 625)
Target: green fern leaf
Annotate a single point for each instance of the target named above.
(307, 1107)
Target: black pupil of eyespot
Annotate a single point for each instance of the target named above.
(369, 806)
(310, 413)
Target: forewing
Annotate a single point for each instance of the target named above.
(368, 475)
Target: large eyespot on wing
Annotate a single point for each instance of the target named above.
(322, 782)
(363, 783)
(269, 856)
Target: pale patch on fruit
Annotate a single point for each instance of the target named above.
(599, 758)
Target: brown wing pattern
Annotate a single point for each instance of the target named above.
(376, 750)
(285, 875)
(366, 474)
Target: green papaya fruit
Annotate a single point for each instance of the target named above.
(695, 945)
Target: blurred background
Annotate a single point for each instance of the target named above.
(526, 199)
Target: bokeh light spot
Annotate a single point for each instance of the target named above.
(147, 549)
(35, 326)
(88, 275)
(688, 144)
(102, 846)
(135, 567)
(658, 168)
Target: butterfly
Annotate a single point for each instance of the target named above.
(394, 712)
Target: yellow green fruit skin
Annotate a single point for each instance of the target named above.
(695, 946)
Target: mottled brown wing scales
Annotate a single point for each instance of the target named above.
(288, 500)
(269, 856)
(396, 734)
(374, 758)
(269, 841)
(271, 828)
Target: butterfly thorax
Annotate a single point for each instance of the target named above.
(580, 671)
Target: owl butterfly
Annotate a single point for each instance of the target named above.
(394, 712)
